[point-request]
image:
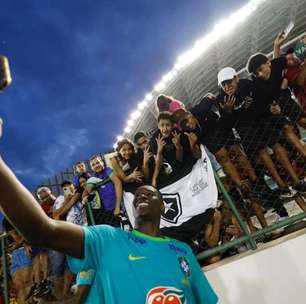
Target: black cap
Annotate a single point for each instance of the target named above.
(255, 61)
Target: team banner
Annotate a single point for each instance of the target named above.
(187, 197)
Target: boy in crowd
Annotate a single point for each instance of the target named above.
(68, 207)
(141, 142)
(236, 101)
(173, 147)
(275, 105)
(106, 200)
(79, 168)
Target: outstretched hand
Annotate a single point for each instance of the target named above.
(176, 139)
(147, 154)
(228, 104)
(136, 175)
(280, 38)
(160, 144)
(192, 137)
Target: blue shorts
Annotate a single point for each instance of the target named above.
(20, 260)
(57, 263)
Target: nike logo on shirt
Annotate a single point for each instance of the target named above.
(136, 258)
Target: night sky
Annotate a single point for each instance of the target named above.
(79, 67)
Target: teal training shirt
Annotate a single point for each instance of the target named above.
(134, 268)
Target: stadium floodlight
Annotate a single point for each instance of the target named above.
(168, 77)
(160, 86)
(127, 130)
(142, 105)
(149, 97)
(130, 122)
(136, 114)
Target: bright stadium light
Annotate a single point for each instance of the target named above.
(168, 77)
(136, 114)
(160, 86)
(127, 130)
(149, 97)
(130, 122)
(142, 105)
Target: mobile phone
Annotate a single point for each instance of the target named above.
(5, 74)
(288, 29)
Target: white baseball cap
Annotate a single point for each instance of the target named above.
(226, 74)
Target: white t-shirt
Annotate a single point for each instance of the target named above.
(76, 214)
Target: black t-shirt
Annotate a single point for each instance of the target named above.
(244, 90)
(151, 164)
(266, 91)
(211, 124)
(207, 113)
(134, 162)
(176, 169)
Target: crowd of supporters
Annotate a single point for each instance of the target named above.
(249, 132)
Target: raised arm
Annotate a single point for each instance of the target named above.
(118, 189)
(178, 147)
(194, 145)
(23, 211)
(145, 166)
(278, 42)
(158, 159)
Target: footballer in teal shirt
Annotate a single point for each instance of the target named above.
(141, 266)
